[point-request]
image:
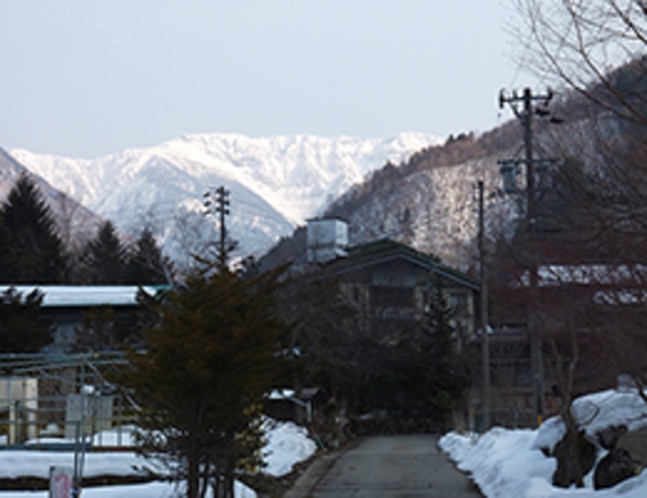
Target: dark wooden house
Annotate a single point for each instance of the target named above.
(390, 283)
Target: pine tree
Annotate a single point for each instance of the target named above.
(147, 265)
(446, 374)
(208, 360)
(21, 331)
(30, 249)
(104, 258)
(423, 376)
(98, 332)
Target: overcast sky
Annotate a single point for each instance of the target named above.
(85, 78)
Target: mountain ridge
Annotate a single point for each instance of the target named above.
(277, 181)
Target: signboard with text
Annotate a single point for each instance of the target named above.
(60, 482)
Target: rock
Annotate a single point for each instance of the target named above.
(575, 459)
(627, 459)
(635, 443)
(608, 437)
(614, 468)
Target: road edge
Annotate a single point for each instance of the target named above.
(305, 484)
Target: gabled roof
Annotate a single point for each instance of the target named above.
(386, 250)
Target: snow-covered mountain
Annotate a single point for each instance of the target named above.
(275, 182)
(429, 202)
(74, 221)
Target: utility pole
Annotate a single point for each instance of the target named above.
(220, 204)
(525, 115)
(487, 402)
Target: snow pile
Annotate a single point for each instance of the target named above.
(506, 463)
(597, 411)
(35, 463)
(148, 490)
(287, 444)
(502, 462)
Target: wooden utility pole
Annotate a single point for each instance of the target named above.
(525, 115)
(222, 201)
(487, 402)
(220, 204)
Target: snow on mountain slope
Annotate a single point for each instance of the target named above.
(74, 220)
(276, 182)
(433, 210)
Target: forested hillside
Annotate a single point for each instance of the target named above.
(428, 202)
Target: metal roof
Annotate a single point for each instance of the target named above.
(385, 250)
(62, 296)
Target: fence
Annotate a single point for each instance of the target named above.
(53, 401)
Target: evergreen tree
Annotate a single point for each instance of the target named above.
(21, 331)
(147, 265)
(104, 329)
(209, 358)
(104, 258)
(447, 374)
(99, 332)
(422, 376)
(30, 249)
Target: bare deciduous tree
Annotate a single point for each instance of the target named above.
(579, 43)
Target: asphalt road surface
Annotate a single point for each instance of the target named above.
(386, 467)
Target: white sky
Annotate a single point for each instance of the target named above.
(86, 78)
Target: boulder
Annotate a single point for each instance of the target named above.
(575, 458)
(635, 443)
(627, 459)
(614, 468)
(608, 437)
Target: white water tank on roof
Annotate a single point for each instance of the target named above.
(326, 239)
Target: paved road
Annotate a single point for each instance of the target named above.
(386, 467)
